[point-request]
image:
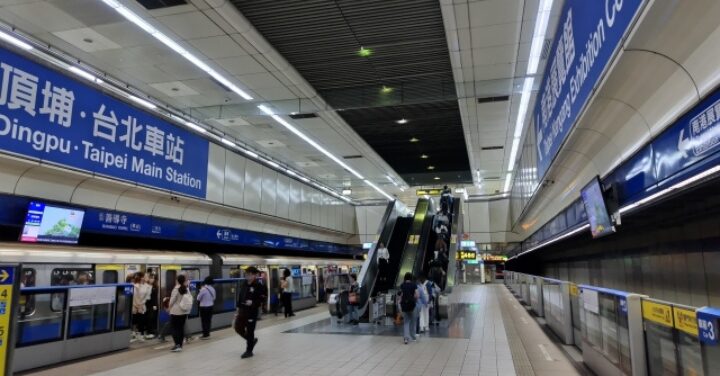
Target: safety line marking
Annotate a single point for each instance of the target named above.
(546, 354)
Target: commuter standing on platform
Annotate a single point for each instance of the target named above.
(141, 293)
(288, 289)
(352, 304)
(383, 257)
(252, 296)
(408, 300)
(151, 306)
(206, 301)
(181, 302)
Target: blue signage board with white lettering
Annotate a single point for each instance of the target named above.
(128, 224)
(51, 117)
(588, 34)
(708, 325)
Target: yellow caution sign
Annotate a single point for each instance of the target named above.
(574, 290)
(7, 280)
(686, 320)
(657, 313)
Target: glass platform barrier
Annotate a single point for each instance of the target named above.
(69, 322)
(671, 337)
(558, 308)
(227, 290)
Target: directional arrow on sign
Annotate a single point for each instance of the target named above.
(683, 143)
(4, 275)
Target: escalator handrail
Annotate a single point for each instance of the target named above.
(428, 210)
(456, 227)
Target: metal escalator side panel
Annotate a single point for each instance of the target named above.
(455, 238)
(426, 245)
(369, 270)
(410, 251)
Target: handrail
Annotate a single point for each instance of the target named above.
(68, 287)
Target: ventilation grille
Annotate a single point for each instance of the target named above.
(501, 98)
(491, 147)
(352, 156)
(546, 49)
(303, 116)
(159, 4)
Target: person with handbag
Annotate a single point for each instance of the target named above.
(251, 297)
(180, 304)
(353, 300)
(206, 301)
(288, 289)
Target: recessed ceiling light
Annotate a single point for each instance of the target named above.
(424, 156)
(386, 90)
(414, 139)
(346, 192)
(402, 121)
(437, 178)
(364, 52)
(431, 167)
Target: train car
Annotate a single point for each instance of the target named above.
(309, 274)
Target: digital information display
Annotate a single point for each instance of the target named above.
(51, 224)
(598, 217)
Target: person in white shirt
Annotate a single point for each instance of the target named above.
(141, 293)
(383, 257)
(288, 289)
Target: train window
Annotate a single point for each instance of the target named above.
(72, 276)
(109, 276)
(44, 324)
(27, 302)
(170, 278)
(192, 274)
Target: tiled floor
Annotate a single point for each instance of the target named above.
(485, 352)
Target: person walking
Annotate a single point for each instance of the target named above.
(252, 295)
(408, 300)
(353, 300)
(288, 289)
(425, 301)
(206, 301)
(180, 305)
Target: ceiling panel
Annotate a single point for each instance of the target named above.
(408, 74)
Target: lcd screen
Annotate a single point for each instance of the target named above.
(598, 217)
(51, 224)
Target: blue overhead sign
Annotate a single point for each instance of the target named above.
(708, 325)
(588, 34)
(48, 116)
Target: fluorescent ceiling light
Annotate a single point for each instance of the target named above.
(460, 190)
(368, 182)
(84, 74)
(15, 41)
(541, 24)
(347, 191)
(227, 142)
(143, 102)
(271, 163)
(507, 181)
(291, 172)
(195, 127)
(402, 121)
(169, 42)
(309, 140)
(391, 180)
(250, 153)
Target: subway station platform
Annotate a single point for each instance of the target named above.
(494, 335)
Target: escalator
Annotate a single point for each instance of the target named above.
(395, 246)
(413, 254)
(456, 235)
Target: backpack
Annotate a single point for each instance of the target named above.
(186, 302)
(407, 300)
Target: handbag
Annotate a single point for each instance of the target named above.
(353, 298)
(398, 319)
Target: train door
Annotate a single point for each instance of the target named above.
(320, 275)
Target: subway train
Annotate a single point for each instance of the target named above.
(46, 266)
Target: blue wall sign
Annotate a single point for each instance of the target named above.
(588, 34)
(137, 225)
(48, 116)
(707, 327)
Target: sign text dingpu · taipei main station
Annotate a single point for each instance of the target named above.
(47, 116)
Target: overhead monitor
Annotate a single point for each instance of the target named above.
(596, 209)
(52, 224)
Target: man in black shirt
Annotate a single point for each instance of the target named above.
(252, 296)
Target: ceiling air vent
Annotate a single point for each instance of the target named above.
(352, 156)
(546, 48)
(491, 147)
(500, 98)
(159, 4)
(303, 116)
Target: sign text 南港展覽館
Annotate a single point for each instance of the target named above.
(49, 116)
(587, 36)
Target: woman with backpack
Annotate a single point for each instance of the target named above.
(408, 300)
(206, 301)
(180, 304)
